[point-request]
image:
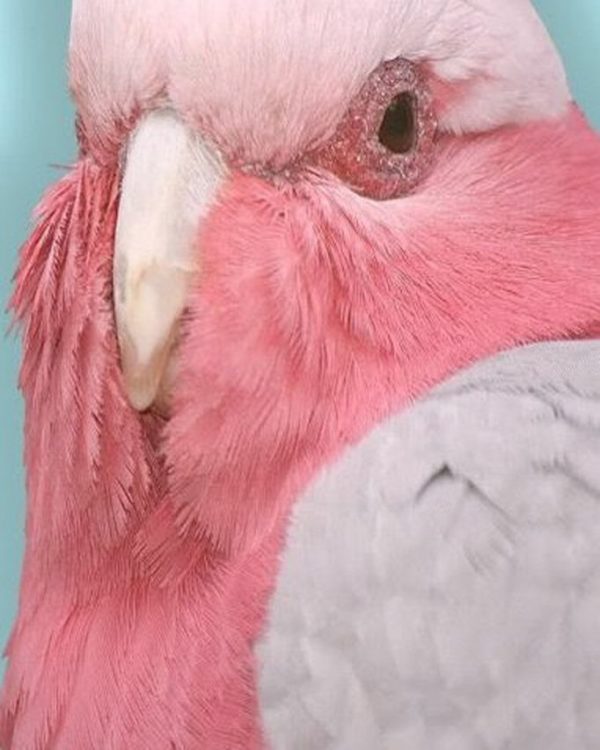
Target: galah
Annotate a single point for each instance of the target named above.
(311, 384)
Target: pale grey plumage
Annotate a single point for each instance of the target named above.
(440, 588)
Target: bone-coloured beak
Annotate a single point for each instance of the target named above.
(170, 180)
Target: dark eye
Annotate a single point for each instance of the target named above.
(385, 145)
(398, 131)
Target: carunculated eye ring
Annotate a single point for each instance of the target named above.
(385, 144)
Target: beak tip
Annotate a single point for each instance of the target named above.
(141, 388)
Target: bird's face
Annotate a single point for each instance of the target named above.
(344, 200)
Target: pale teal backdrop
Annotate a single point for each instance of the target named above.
(36, 132)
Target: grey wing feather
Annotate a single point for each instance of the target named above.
(440, 588)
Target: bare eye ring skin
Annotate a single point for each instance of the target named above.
(384, 145)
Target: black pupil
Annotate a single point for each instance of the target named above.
(398, 131)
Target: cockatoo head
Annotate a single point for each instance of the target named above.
(346, 200)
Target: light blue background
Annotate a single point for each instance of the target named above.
(36, 131)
